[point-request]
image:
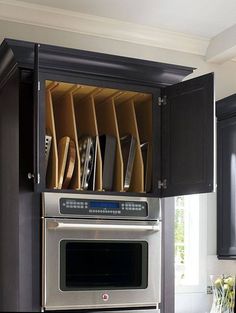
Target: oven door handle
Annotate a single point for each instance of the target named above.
(78, 226)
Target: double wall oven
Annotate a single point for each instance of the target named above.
(100, 252)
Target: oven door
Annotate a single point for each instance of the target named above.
(100, 264)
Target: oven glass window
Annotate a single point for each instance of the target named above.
(103, 265)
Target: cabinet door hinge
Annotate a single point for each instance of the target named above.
(38, 179)
(35, 178)
(162, 184)
(39, 86)
(162, 101)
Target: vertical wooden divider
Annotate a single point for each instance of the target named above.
(107, 124)
(143, 111)
(127, 124)
(75, 182)
(66, 126)
(87, 126)
(52, 169)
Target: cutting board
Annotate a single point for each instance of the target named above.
(70, 165)
(63, 147)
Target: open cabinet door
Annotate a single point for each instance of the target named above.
(187, 128)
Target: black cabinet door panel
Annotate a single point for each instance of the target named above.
(226, 187)
(187, 144)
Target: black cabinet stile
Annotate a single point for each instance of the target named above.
(36, 86)
(226, 178)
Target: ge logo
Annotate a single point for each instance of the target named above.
(105, 297)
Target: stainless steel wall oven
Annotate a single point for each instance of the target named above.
(100, 252)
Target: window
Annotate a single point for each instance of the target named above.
(190, 243)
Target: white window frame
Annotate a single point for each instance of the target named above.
(196, 258)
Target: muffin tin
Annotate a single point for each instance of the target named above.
(87, 153)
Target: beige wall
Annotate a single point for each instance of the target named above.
(225, 75)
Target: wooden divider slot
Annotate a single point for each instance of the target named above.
(52, 169)
(128, 126)
(65, 124)
(87, 126)
(107, 125)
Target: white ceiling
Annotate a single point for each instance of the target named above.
(202, 27)
(204, 18)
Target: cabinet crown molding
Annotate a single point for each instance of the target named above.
(226, 107)
(21, 53)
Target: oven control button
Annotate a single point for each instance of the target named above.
(105, 297)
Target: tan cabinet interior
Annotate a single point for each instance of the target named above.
(74, 111)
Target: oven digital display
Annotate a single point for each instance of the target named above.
(104, 205)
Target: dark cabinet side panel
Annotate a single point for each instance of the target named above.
(9, 195)
(226, 187)
(188, 137)
(29, 204)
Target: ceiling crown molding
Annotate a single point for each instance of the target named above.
(223, 46)
(65, 20)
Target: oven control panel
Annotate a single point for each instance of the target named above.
(103, 207)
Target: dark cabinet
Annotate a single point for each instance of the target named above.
(226, 178)
(176, 120)
(90, 93)
(76, 93)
